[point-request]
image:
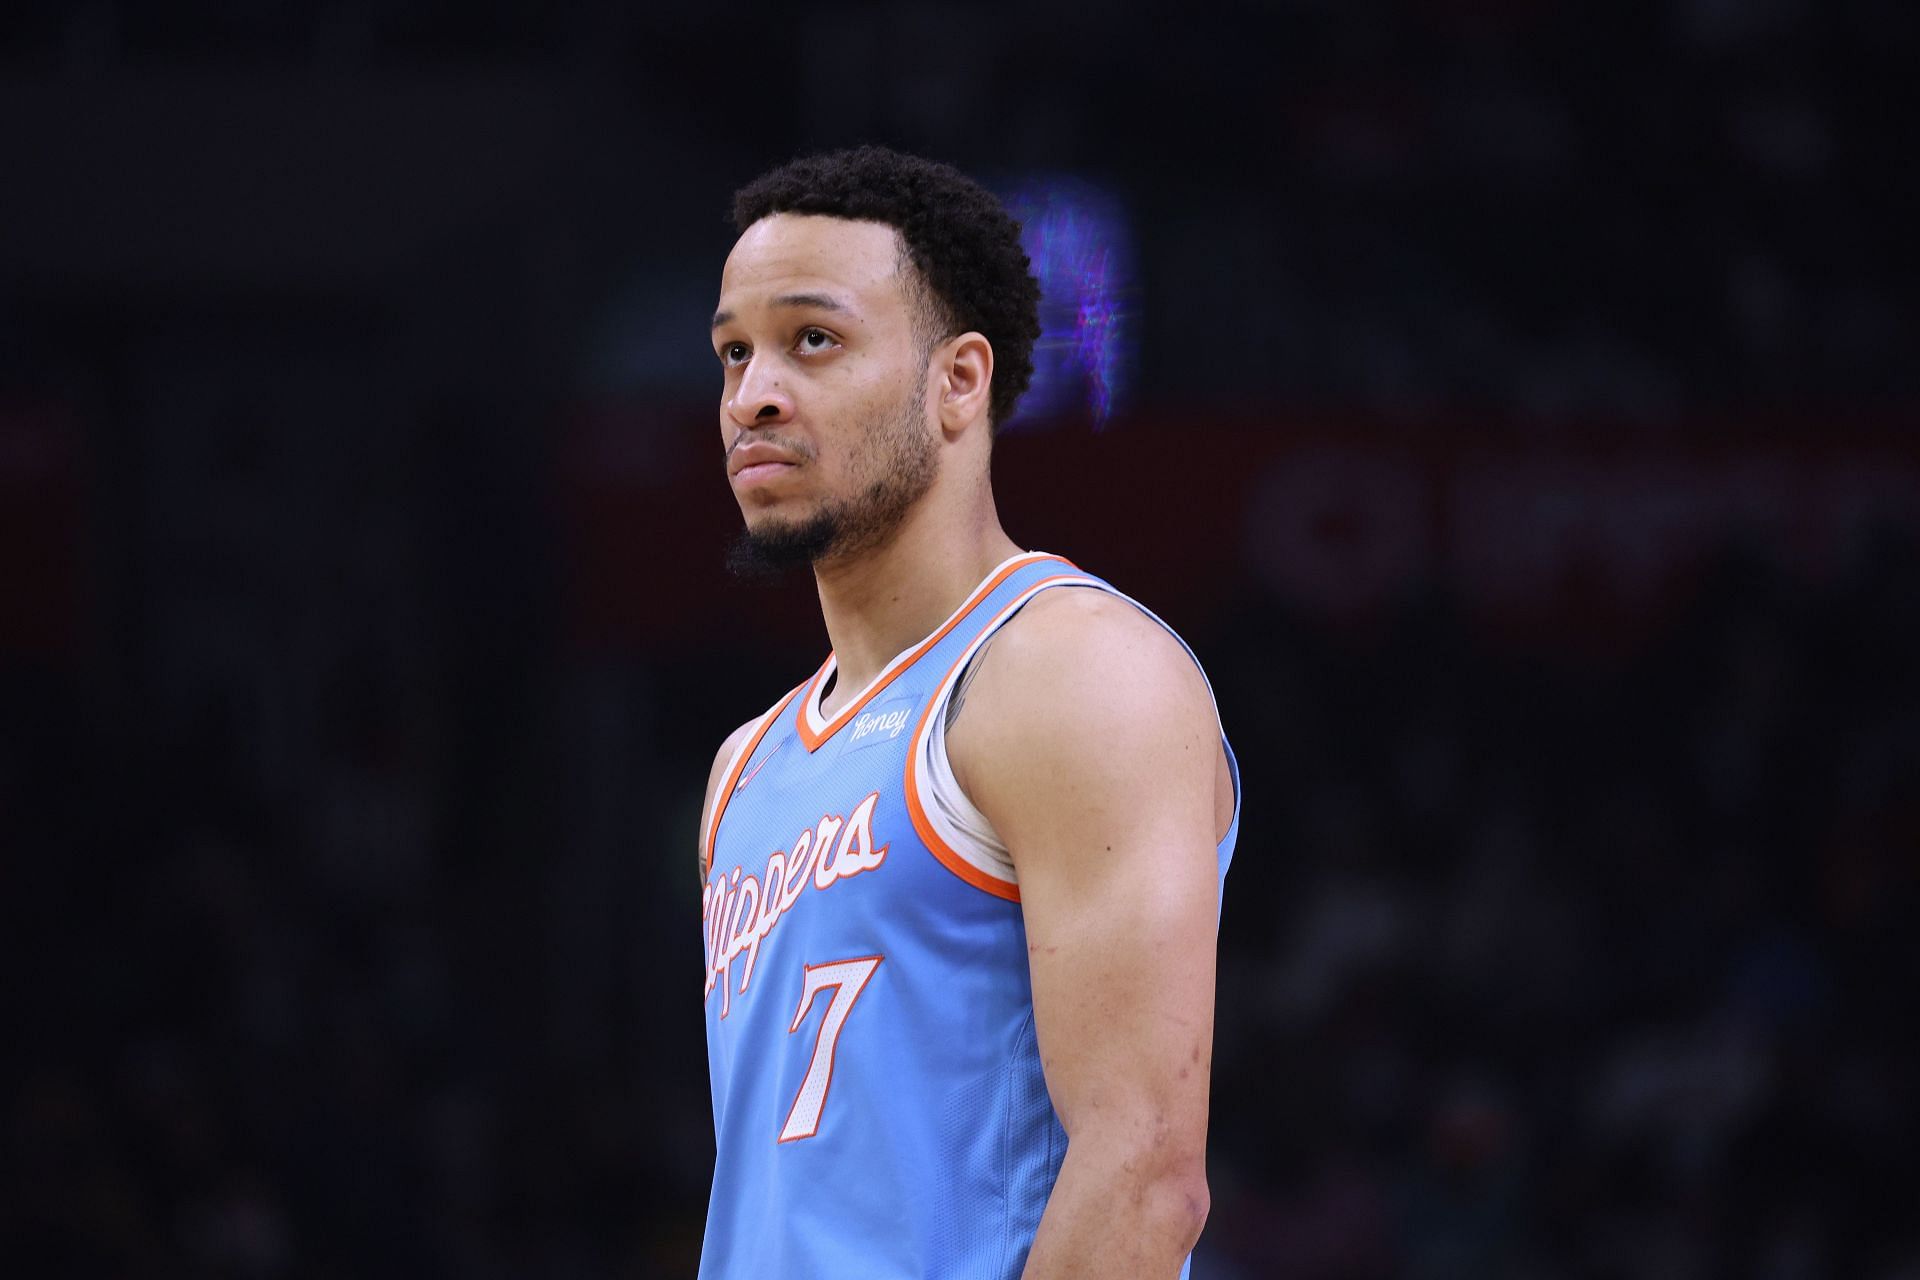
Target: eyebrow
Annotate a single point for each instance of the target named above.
(812, 301)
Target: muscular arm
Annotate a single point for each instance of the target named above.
(1090, 742)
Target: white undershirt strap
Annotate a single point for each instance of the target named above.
(955, 818)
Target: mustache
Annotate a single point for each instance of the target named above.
(798, 448)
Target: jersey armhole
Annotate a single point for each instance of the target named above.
(730, 780)
(966, 832)
(952, 827)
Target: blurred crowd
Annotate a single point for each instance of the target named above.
(1563, 209)
(1574, 972)
(350, 912)
(1554, 208)
(1531, 967)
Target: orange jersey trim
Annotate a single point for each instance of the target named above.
(732, 780)
(813, 741)
(943, 852)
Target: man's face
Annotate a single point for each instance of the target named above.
(824, 413)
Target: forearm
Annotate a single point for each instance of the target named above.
(1111, 1215)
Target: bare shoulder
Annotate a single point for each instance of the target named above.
(1082, 645)
(734, 741)
(1076, 670)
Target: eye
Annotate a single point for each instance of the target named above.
(733, 352)
(812, 339)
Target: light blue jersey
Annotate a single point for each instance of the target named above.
(878, 1103)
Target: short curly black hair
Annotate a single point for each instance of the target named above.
(964, 246)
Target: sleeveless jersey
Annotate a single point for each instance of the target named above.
(878, 1104)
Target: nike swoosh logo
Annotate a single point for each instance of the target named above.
(757, 768)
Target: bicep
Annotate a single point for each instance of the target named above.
(1094, 755)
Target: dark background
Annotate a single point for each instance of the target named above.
(1521, 429)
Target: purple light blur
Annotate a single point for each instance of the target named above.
(1079, 241)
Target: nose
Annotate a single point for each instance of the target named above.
(758, 399)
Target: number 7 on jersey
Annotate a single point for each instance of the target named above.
(848, 978)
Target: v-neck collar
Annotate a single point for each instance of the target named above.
(815, 728)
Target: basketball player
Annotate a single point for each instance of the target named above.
(961, 886)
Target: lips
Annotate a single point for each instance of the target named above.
(751, 463)
(761, 471)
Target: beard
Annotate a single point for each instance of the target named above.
(898, 455)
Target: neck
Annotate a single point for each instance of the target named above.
(885, 601)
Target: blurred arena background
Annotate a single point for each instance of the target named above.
(1513, 400)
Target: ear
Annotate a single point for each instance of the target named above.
(963, 380)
